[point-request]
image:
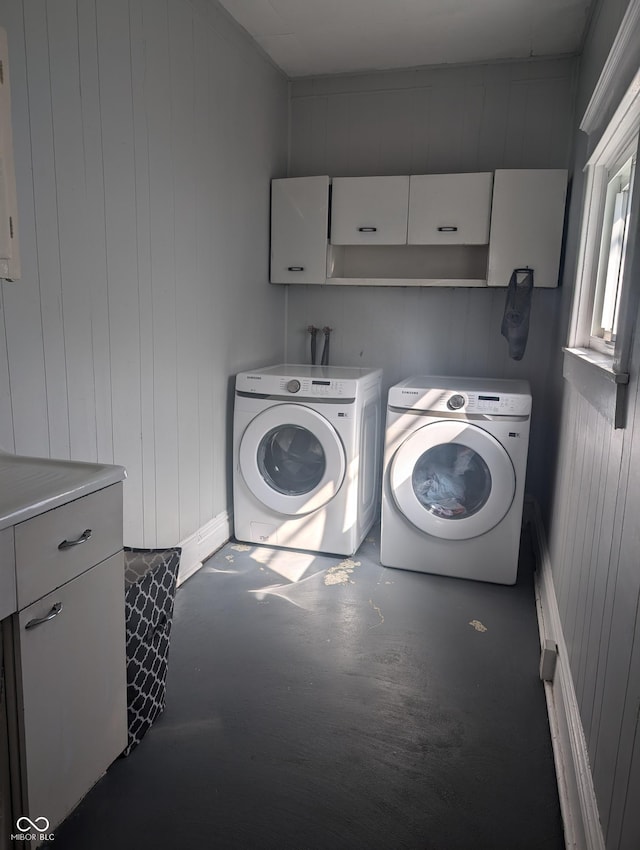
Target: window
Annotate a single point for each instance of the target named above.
(613, 251)
(607, 280)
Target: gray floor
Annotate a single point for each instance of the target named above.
(319, 704)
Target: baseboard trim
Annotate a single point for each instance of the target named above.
(204, 542)
(578, 803)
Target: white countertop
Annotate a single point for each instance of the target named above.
(31, 485)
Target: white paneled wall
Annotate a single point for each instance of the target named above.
(595, 545)
(452, 119)
(146, 134)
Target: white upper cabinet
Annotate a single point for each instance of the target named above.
(526, 225)
(299, 225)
(420, 230)
(369, 210)
(450, 209)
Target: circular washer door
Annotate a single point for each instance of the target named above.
(292, 459)
(452, 480)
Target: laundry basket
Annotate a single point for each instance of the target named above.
(150, 585)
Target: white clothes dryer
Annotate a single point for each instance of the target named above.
(306, 456)
(453, 481)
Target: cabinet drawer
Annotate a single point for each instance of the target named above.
(88, 530)
(369, 210)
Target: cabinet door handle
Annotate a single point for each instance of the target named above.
(55, 610)
(368, 229)
(295, 268)
(448, 229)
(67, 544)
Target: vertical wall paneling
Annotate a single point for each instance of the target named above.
(601, 555)
(615, 742)
(22, 306)
(623, 708)
(159, 106)
(146, 134)
(144, 266)
(584, 605)
(204, 198)
(95, 250)
(114, 58)
(47, 254)
(578, 529)
(181, 61)
(74, 224)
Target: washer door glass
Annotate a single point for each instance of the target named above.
(452, 479)
(292, 459)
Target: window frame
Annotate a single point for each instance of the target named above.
(597, 370)
(610, 251)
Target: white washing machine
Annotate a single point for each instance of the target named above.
(453, 481)
(306, 456)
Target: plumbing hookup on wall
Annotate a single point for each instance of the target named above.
(326, 334)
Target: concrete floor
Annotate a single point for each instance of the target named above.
(315, 703)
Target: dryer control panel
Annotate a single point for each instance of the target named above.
(499, 405)
(465, 400)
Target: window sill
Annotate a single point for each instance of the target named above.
(591, 374)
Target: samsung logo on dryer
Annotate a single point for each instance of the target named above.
(410, 392)
(253, 377)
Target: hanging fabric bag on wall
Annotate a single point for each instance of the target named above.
(515, 321)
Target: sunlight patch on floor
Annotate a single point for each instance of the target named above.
(289, 564)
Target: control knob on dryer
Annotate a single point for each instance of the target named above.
(293, 386)
(455, 402)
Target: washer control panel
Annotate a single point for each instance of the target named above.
(314, 387)
(297, 385)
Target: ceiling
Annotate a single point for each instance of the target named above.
(313, 37)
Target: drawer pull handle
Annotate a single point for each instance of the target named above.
(295, 268)
(55, 610)
(67, 544)
(368, 229)
(448, 229)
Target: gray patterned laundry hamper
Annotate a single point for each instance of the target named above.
(150, 585)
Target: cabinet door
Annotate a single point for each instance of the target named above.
(526, 225)
(450, 209)
(72, 673)
(299, 225)
(369, 210)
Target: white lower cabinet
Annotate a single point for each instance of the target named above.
(71, 683)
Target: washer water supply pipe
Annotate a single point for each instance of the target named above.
(325, 350)
(313, 332)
